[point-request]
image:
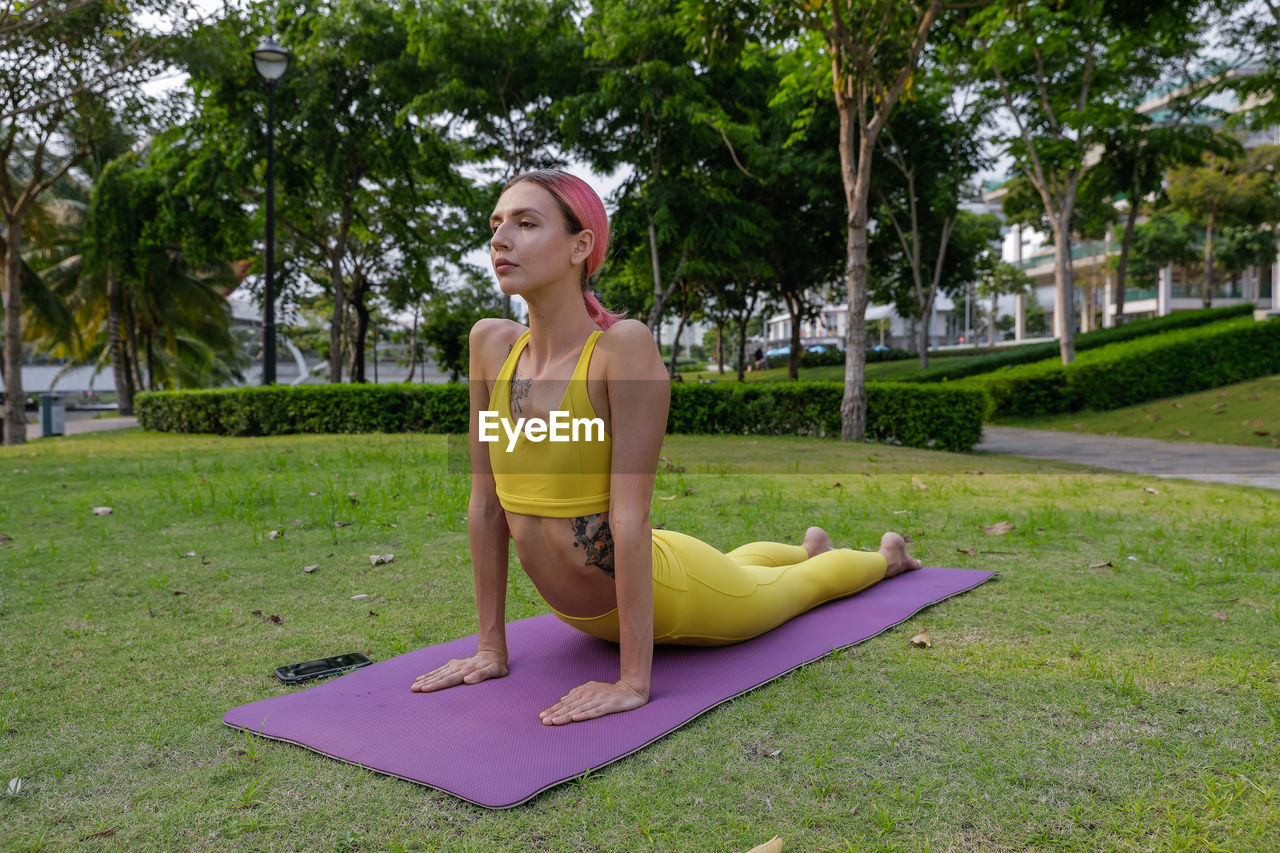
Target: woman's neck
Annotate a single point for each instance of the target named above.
(558, 325)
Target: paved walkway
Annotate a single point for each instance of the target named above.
(77, 426)
(1219, 463)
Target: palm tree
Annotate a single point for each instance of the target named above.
(111, 289)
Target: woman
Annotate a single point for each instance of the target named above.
(579, 510)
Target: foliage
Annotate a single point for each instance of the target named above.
(1139, 370)
(448, 318)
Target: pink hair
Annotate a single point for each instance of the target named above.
(583, 210)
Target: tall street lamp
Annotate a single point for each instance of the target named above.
(272, 61)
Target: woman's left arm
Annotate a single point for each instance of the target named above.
(639, 398)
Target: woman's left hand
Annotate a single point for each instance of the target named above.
(591, 700)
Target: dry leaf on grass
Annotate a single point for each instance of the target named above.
(273, 534)
(1150, 490)
(311, 568)
(922, 640)
(975, 473)
(1220, 614)
(348, 524)
(375, 559)
(189, 554)
(361, 597)
(5, 537)
(917, 483)
(999, 528)
(668, 498)
(1184, 432)
(972, 552)
(102, 510)
(1177, 405)
(1107, 565)
(773, 845)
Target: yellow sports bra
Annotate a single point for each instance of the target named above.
(554, 479)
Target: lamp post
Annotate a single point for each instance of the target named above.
(272, 61)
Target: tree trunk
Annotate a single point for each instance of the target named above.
(361, 330)
(719, 345)
(1131, 219)
(134, 353)
(119, 369)
(794, 306)
(742, 346)
(1207, 292)
(856, 175)
(338, 322)
(1064, 301)
(413, 346)
(675, 342)
(15, 401)
(151, 366)
(659, 299)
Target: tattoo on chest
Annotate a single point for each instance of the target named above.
(591, 533)
(519, 391)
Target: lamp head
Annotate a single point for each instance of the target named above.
(271, 60)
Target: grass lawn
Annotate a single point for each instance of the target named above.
(1247, 413)
(1116, 688)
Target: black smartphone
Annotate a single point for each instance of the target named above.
(295, 672)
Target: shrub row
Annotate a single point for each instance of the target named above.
(1137, 371)
(911, 415)
(1088, 341)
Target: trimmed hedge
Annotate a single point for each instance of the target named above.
(911, 415)
(947, 418)
(1028, 354)
(1137, 371)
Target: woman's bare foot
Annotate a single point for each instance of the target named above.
(816, 541)
(894, 549)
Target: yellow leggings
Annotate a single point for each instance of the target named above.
(702, 597)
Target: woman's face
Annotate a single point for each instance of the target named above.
(531, 246)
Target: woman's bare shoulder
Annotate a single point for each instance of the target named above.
(631, 351)
(492, 339)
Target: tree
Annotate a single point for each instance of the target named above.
(1166, 238)
(498, 74)
(928, 152)
(873, 47)
(651, 109)
(65, 68)
(1065, 71)
(1244, 246)
(447, 322)
(360, 182)
(1227, 191)
(1001, 278)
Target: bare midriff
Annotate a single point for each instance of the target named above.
(567, 558)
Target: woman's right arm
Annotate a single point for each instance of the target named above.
(489, 536)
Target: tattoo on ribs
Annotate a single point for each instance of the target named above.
(591, 533)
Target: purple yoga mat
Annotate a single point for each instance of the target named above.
(484, 742)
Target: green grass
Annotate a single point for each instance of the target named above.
(1066, 705)
(1247, 413)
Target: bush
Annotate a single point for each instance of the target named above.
(278, 409)
(1138, 370)
(1028, 354)
(911, 415)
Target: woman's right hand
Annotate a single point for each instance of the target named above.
(479, 667)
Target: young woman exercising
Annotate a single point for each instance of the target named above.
(579, 510)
